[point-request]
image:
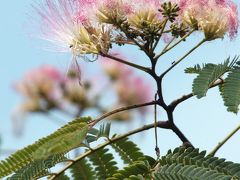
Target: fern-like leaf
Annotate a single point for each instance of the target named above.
(38, 168)
(95, 134)
(104, 163)
(23, 157)
(138, 170)
(188, 172)
(196, 159)
(127, 150)
(209, 74)
(83, 170)
(231, 91)
(62, 177)
(63, 143)
(194, 70)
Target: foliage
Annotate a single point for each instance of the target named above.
(229, 88)
(25, 156)
(93, 28)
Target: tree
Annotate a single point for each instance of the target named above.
(88, 28)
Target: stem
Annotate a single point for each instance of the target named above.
(161, 33)
(177, 62)
(155, 129)
(165, 50)
(122, 109)
(161, 124)
(126, 62)
(176, 102)
(220, 144)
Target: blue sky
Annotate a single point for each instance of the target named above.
(205, 121)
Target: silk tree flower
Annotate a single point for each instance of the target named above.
(117, 11)
(133, 90)
(41, 84)
(214, 17)
(66, 23)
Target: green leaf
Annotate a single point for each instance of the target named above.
(188, 172)
(83, 170)
(104, 163)
(231, 91)
(137, 170)
(194, 70)
(63, 143)
(127, 150)
(38, 168)
(23, 157)
(209, 74)
(62, 177)
(195, 159)
(95, 134)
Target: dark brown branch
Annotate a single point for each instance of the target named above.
(126, 62)
(175, 103)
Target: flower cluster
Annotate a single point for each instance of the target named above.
(92, 26)
(47, 88)
(213, 17)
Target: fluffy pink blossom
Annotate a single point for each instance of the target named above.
(41, 82)
(220, 15)
(133, 90)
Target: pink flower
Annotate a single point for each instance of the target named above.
(215, 17)
(41, 82)
(133, 90)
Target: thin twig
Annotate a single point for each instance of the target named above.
(177, 62)
(176, 102)
(95, 121)
(165, 50)
(160, 35)
(220, 144)
(155, 128)
(126, 62)
(161, 124)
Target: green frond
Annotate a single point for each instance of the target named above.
(82, 170)
(63, 143)
(127, 150)
(95, 134)
(38, 168)
(231, 91)
(104, 163)
(188, 172)
(209, 74)
(138, 170)
(192, 157)
(62, 177)
(23, 157)
(194, 70)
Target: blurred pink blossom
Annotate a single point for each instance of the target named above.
(222, 14)
(41, 82)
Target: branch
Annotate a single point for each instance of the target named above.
(177, 62)
(161, 124)
(176, 102)
(220, 144)
(145, 69)
(166, 49)
(161, 33)
(93, 122)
